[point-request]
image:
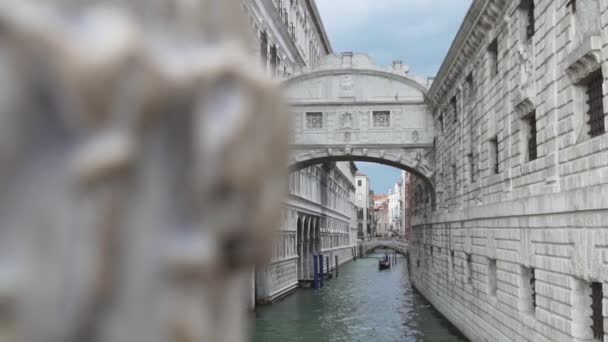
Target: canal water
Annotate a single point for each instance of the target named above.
(362, 304)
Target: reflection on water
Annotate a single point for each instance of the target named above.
(363, 304)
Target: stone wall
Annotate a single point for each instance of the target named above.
(510, 251)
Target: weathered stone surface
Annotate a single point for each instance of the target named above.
(548, 215)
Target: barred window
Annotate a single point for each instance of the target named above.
(595, 104)
(532, 140)
(495, 164)
(532, 278)
(382, 119)
(597, 317)
(314, 120)
(527, 7)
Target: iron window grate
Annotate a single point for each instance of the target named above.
(596, 310)
(595, 103)
(532, 142)
(382, 119)
(495, 160)
(530, 28)
(533, 287)
(314, 120)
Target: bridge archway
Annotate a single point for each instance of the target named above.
(350, 109)
(400, 247)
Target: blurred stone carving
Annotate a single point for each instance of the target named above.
(140, 170)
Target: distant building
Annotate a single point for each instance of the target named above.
(318, 215)
(381, 215)
(407, 200)
(362, 191)
(394, 210)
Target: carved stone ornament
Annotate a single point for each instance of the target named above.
(525, 67)
(347, 86)
(415, 136)
(140, 169)
(584, 60)
(347, 120)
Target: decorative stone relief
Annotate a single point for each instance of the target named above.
(415, 136)
(525, 68)
(347, 86)
(347, 120)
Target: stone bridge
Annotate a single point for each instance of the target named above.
(399, 246)
(349, 109)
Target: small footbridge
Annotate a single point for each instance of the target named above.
(399, 246)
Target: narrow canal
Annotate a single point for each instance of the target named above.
(363, 304)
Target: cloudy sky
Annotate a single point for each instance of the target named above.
(419, 32)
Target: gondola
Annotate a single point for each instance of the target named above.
(384, 264)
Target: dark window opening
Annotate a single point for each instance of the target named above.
(595, 104)
(454, 104)
(572, 5)
(494, 155)
(493, 56)
(533, 288)
(532, 142)
(528, 7)
(597, 295)
(470, 85)
(274, 59)
(359, 183)
(455, 179)
(441, 122)
(471, 159)
(264, 47)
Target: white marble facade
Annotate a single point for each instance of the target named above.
(516, 249)
(318, 217)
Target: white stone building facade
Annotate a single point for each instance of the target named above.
(394, 210)
(516, 247)
(289, 34)
(319, 214)
(362, 201)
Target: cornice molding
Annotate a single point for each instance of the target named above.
(478, 23)
(314, 10)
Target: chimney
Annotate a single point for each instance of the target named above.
(347, 59)
(398, 66)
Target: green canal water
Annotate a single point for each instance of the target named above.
(363, 304)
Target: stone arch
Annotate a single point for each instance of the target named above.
(350, 109)
(415, 162)
(394, 246)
